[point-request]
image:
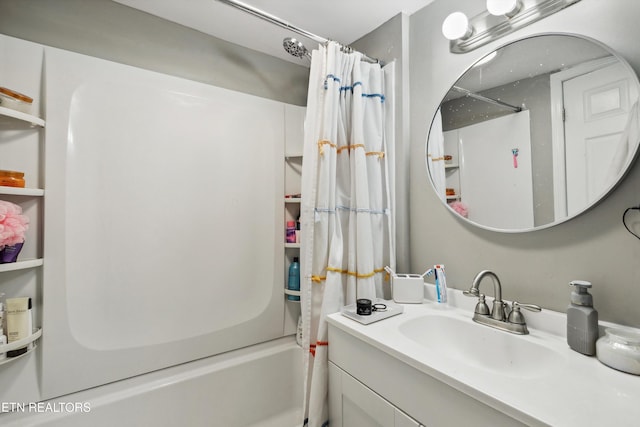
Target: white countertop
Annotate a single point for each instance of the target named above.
(575, 390)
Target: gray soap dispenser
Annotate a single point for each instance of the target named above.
(582, 319)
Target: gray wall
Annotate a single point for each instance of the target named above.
(111, 31)
(534, 267)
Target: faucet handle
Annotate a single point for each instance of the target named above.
(516, 315)
(530, 307)
(482, 307)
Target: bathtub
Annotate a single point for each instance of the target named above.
(257, 386)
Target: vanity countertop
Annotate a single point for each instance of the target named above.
(571, 390)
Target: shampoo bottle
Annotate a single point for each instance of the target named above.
(582, 319)
(19, 324)
(293, 283)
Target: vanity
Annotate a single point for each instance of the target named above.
(433, 366)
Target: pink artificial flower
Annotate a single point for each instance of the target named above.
(13, 224)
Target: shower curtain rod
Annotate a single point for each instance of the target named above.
(486, 99)
(284, 24)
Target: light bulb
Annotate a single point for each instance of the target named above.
(456, 26)
(503, 7)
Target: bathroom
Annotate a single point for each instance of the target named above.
(534, 267)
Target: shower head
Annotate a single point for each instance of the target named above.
(295, 47)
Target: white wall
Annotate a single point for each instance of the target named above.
(533, 267)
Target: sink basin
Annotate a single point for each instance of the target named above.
(482, 347)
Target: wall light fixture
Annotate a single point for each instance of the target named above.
(456, 26)
(508, 8)
(501, 18)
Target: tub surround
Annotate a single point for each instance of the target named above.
(566, 388)
(211, 391)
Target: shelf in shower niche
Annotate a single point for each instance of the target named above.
(292, 199)
(19, 344)
(290, 292)
(21, 265)
(18, 191)
(34, 120)
(291, 245)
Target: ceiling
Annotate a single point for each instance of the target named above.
(342, 20)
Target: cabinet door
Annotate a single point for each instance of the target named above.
(362, 407)
(352, 404)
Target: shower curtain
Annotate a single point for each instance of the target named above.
(347, 213)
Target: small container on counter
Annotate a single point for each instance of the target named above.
(407, 288)
(15, 100)
(12, 178)
(620, 349)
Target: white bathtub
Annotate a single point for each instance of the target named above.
(258, 386)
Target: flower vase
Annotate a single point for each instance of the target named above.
(10, 253)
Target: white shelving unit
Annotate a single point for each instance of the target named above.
(31, 340)
(292, 211)
(294, 135)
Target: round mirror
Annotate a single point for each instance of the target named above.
(535, 133)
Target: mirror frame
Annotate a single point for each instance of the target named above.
(624, 170)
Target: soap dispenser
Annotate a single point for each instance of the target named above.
(582, 319)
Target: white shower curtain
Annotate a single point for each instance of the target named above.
(347, 225)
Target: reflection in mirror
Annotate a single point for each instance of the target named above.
(535, 133)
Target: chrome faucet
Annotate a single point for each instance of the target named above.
(499, 317)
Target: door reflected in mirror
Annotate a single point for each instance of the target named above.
(535, 133)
